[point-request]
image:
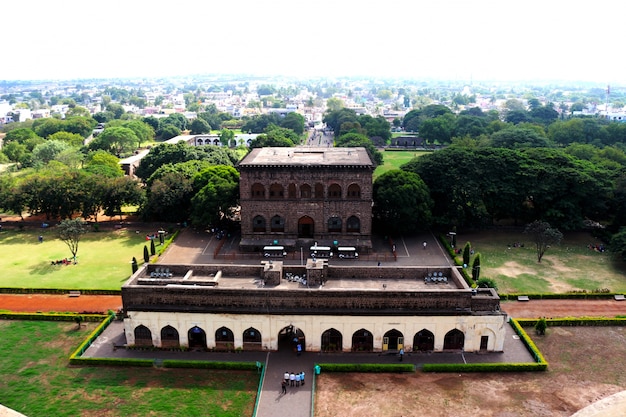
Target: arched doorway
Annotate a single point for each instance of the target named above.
(424, 341)
(289, 337)
(143, 336)
(454, 340)
(332, 341)
(197, 338)
(362, 341)
(306, 227)
(393, 340)
(169, 337)
(224, 339)
(252, 339)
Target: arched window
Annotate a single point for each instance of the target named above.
(276, 191)
(334, 191)
(353, 225)
(258, 224)
(424, 340)
(305, 191)
(169, 337)
(319, 190)
(354, 191)
(252, 339)
(362, 341)
(258, 191)
(224, 339)
(334, 225)
(454, 339)
(143, 336)
(277, 224)
(332, 341)
(291, 191)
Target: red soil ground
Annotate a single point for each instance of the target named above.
(30, 303)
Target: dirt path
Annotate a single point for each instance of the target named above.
(30, 303)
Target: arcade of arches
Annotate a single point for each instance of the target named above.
(229, 335)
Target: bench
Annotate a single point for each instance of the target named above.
(523, 298)
(619, 297)
(74, 294)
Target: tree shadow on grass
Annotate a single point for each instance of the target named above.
(46, 268)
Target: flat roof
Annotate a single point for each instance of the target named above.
(307, 156)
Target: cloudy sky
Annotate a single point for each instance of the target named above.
(460, 39)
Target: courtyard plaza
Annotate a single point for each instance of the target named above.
(196, 247)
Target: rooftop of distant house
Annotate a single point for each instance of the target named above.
(307, 156)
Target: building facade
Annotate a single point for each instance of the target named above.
(296, 197)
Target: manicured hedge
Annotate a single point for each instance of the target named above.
(145, 363)
(366, 367)
(577, 321)
(50, 316)
(75, 358)
(457, 261)
(242, 366)
(561, 296)
(484, 367)
(530, 345)
(5, 290)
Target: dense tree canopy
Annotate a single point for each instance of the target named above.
(402, 202)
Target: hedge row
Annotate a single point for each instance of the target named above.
(50, 316)
(57, 291)
(75, 358)
(577, 321)
(366, 367)
(530, 345)
(484, 367)
(458, 262)
(561, 296)
(241, 366)
(146, 363)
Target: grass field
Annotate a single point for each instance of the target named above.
(570, 266)
(103, 259)
(37, 381)
(394, 159)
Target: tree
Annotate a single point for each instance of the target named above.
(116, 140)
(438, 129)
(199, 126)
(294, 121)
(354, 140)
(466, 254)
(218, 194)
(146, 255)
(476, 267)
(152, 248)
(541, 326)
(543, 236)
(402, 202)
(48, 150)
(70, 231)
(486, 283)
(226, 136)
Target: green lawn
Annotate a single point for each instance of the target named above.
(567, 267)
(394, 159)
(37, 381)
(103, 259)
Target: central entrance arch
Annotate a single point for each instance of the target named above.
(306, 227)
(289, 337)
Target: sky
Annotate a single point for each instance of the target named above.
(505, 40)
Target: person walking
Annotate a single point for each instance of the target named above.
(292, 379)
(297, 380)
(424, 244)
(302, 378)
(286, 377)
(299, 349)
(401, 354)
(283, 385)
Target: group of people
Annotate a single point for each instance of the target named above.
(292, 379)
